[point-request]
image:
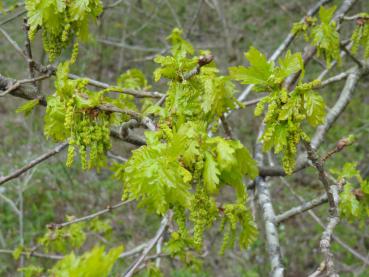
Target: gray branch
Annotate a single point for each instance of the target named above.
(265, 202)
(302, 208)
(338, 108)
(33, 163)
(149, 246)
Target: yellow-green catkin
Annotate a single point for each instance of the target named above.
(74, 52)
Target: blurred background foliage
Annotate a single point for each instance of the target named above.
(128, 35)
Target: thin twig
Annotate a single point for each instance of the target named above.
(338, 108)
(340, 145)
(133, 92)
(226, 127)
(54, 226)
(28, 50)
(116, 157)
(352, 57)
(355, 17)
(264, 200)
(150, 245)
(339, 77)
(33, 254)
(302, 208)
(333, 218)
(33, 163)
(16, 15)
(16, 85)
(13, 43)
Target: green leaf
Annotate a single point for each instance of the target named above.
(280, 137)
(155, 178)
(65, 239)
(326, 14)
(349, 205)
(95, 263)
(365, 186)
(349, 170)
(291, 63)
(315, 108)
(179, 45)
(289, 108)
(326, 37)
(211, 173)
(31, 271)
(246, 163)
(133, 78)
(258, 72)
(225, 154)
(17, 252)
(27, 107)
(234, 161)
(54, 119)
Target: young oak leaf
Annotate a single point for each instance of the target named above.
(349, 205)
(326, 14)
(257, 73)
(211, 173)
(325, 36)
(289, 64)
(315, 108)
(27, 107)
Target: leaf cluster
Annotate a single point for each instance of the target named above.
(287, 110)
(61, 21)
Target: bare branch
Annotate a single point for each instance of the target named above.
(116, 157)
(273, 171)
(226, 127)
(270, 228)
(13, 43)
(150, 245)
(352, 57)
(338, 108)
(325, 244)
(264, 200)
(133, 92)
(340, 145)
(54, 226)
(16, 15)
(134, 251)
(314, 158)
(28, 50)
(302, 208)
(355, 17)
(317, 219)
(339, 77)
(33, 163)
(34, 254)
(16, 84)
(333, 218)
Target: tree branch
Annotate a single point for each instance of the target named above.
(333, 218)
(33, 163)
(149, 246)
(338, 108)
(264, 200)
(302, 208)
(54, 226)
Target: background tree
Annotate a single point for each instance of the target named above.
(167, 120)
